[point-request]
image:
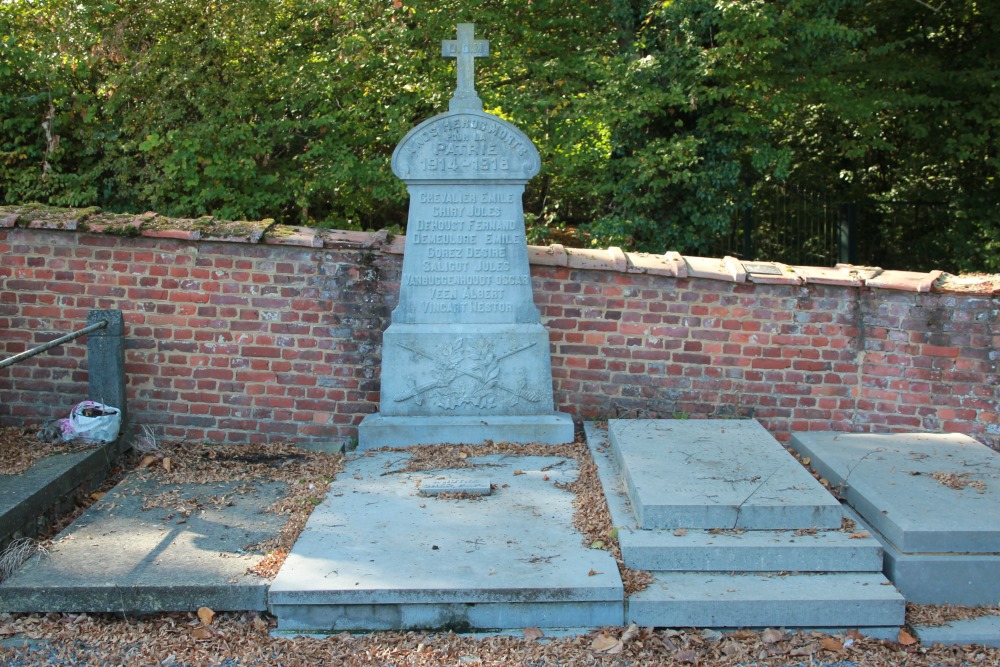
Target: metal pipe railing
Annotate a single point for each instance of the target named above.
(27, 354)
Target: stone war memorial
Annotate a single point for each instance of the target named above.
(466, 357)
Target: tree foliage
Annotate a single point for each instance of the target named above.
(656, 120)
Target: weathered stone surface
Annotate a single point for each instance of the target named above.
(119, 557)
(899, 483)
(378, 554)
(722, 473)
(720, 600)
(982, 631)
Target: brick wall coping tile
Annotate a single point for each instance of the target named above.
(841, 275)
(296, 236)
(908, 281)
(730, 269)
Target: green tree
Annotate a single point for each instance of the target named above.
(870, 101)
(285, 108)
(705, 101)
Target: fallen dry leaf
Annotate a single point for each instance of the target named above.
(905, 638)
(681, 532)
(202, 633)
(206, 615)
(147, 461)
(97, 495)
(859, 535)
(168, 464)
(772, 635)
(806, 649)
(686, 656)
(593, 572)
(831, 644)
(518, 472)
(531, 634)
(603, 643)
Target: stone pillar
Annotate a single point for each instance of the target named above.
(106, 361)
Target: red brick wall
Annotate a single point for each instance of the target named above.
(238, 342)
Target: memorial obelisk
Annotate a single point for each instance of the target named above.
(466, 357)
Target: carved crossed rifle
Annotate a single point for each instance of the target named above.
(526, 394)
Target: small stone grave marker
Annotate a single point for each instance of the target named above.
(434, 487)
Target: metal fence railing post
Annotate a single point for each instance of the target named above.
(848, 241)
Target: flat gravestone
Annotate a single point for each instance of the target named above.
(466, 357)
(377, 554)
(924, 492)
(717, 474)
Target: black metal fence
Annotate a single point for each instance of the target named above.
(808, 228)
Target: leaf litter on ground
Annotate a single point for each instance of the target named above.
(205, 637)
(20, 447)
(245, 639)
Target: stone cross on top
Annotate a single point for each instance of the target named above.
(466, 49)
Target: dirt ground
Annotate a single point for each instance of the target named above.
(206, 638)
(244, 639)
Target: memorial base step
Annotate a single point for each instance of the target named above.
(380, 430)
(751, 551)
(807, 577)
(931, 499)
(722, 600)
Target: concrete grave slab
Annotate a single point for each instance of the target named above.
(726, 551)
(48, 487)
(118, 557)
(721, 473)
(894, 481)
(377, 555)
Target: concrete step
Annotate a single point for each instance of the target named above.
(931, 499)
(724, 551)
(719, 600)
(379, 555)
(750, 551)
(983, 631)
(29, 501)
(716, 474)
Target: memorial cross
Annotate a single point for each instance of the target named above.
(465, 49)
